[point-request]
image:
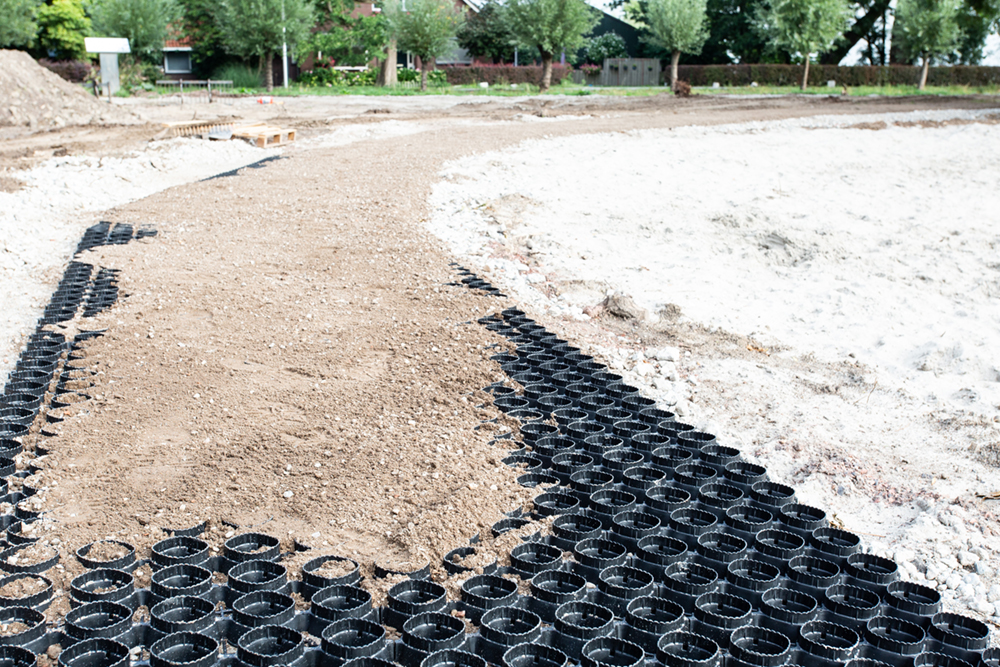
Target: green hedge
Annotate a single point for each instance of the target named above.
(791, 75)
(460, 75)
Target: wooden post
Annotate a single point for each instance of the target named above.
(209, 91)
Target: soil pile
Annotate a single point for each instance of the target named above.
(32, 96)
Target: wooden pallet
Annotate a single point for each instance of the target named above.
(264, 136)
(260, 133)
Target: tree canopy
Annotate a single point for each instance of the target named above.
(608, 45)
(928, 28)
(62, 27)
(487, 34)
(678, 26)
(805, 27)
(143, 22)
(350, 42)
(253, 28)
(551, 26)
(425, 28)
(18, 27)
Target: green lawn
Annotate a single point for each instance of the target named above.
(569, 88)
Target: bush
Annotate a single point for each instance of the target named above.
(499, 74)
(75, 71)
(335, 78)
(608, 45)
(682, 88)
(407, 75)
(791, 75)
(241, 75)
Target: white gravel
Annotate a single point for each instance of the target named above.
(865, 265)
(41, 223)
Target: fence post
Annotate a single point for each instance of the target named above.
(209, 91)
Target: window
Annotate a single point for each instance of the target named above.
(177, 62)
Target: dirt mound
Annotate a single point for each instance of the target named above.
(32, 96)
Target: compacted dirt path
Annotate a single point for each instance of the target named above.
(289, 358)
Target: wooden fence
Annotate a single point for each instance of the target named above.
(630, 72)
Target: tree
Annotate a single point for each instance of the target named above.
(62, 27)
(928, 27)
(18, 27)
(608, 45)
(425, 28)
(353, 42)
(677, 26)
(487, 34)
(258, 28)
(198, 23)
(551, 25)
(804, 26)
(143, 22)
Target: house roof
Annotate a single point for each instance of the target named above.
(182, 43)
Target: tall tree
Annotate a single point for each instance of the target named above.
(352, 42)
(18, 26)
(487, 34)
(199, 24)
(258, 28)
(425, 28)
(143, 22)
(679, 26)
(62, 27)
(804, 26)
(551, 25)
(929, 28)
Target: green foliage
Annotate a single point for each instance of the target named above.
(62, 27)
(18, 26)
(406, 75)
(608, 45)
(928, 28)
(425, 28)
(335, 78)
(241, 75)
(804, 26)
(677, 25)
(551, 25)
(488, 34)
(143, 22)
(198, 23)
(254, 27)
(731, 37)
(350, 42)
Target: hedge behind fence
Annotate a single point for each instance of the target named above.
(459, 75)
(791, 75)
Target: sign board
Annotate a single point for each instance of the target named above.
(106, 45)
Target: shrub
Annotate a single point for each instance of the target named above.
(241, 75)
(335, 78)
(790, 75)
(608, 45)
(495, 74)
(407, 75)
(75, 71)
(682, 88)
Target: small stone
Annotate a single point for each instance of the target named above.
(953, 581)
(644, 368)
(967, 559)
(667, 354)
(288, 494)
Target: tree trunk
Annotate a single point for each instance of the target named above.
(923, 72)
(266, 62)
(387, 74)
(546, 72)
(805, 74)
(675, 58)
(423, 76)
